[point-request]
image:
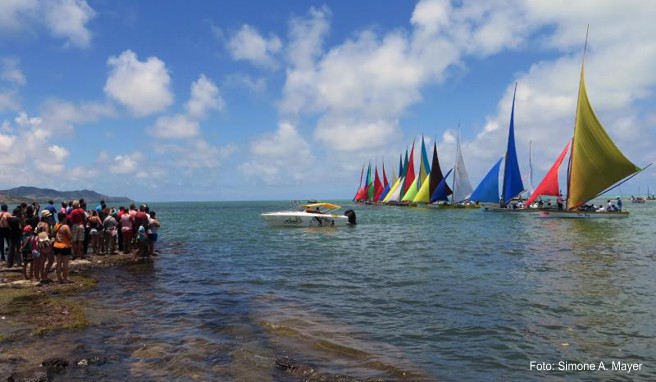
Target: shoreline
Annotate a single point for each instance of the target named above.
(29, 308)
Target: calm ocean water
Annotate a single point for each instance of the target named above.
(407, 294)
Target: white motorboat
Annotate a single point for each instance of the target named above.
(310, 215)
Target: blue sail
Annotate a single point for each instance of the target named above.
(488, 189)
(512, 179)
(385, 191)
(441, 192)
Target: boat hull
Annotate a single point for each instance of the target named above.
(304, 219)
(582, 214)
(510, 210)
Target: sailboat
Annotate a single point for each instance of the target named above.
(488, 189)
(549, 184)
(596, 164)
(461, 186)
(432, 180)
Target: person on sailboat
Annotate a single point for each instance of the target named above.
(560, 201)
(619, 204)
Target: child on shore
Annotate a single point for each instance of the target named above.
(30, 253)
(142, 244)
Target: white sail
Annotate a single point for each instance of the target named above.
(462, 188)
(395, 195)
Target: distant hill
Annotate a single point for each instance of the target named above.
(42, 195)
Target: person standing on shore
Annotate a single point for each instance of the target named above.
(62, 248)
(153, 229)
(95, 228)
(126, 231)
(76, 219)
(4, 230)
(14, 241)
(110, 234)
(43, 231)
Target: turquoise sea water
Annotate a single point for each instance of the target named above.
(407, 294)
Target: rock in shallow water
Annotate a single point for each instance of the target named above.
(37, 376)
(55, 364)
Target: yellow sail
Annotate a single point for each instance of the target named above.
(423, 195)
(392, 189)
(410, 193)
(595, 163)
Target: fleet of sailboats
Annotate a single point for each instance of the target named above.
(596, 165)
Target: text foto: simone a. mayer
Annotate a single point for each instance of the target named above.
(585, 366)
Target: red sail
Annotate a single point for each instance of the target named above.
(410, 175)
(378, 187)
(549, 185)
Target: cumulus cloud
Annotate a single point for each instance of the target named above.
(283, 153)
(176, 126)
(204, 97)
(65, 19)
(142, 86)
(63, 115)
(242, 80)
(10, 71)
(127, 163)
(9, 101)
(68, 18)
(31, 138)
(248, 45)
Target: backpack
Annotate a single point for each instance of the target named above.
(26, 245)
(42, 238)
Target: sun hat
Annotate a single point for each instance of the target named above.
(45, 213)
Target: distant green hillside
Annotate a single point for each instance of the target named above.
(42, 195)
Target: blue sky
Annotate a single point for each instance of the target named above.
(259, 100)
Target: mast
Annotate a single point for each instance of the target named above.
(576, 116)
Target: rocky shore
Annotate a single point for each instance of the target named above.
(32, 308)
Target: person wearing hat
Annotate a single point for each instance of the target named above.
(43, 231)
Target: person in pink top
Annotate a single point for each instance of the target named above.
(126, 231)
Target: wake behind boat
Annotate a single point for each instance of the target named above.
(311, 215)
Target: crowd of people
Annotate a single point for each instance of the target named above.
(35, 238)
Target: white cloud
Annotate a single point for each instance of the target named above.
(241, 80)
(68, 18)
(11, 72)
(204, 97)
(9, 101)
(142, 86)
(248, 45)
(63, 115)
(175, 127)
(65, 19)
(196, 154)
(127, 164)
(52, 160)
(15, 14)
(281, 155)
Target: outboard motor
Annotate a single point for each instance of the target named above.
(351, 216)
